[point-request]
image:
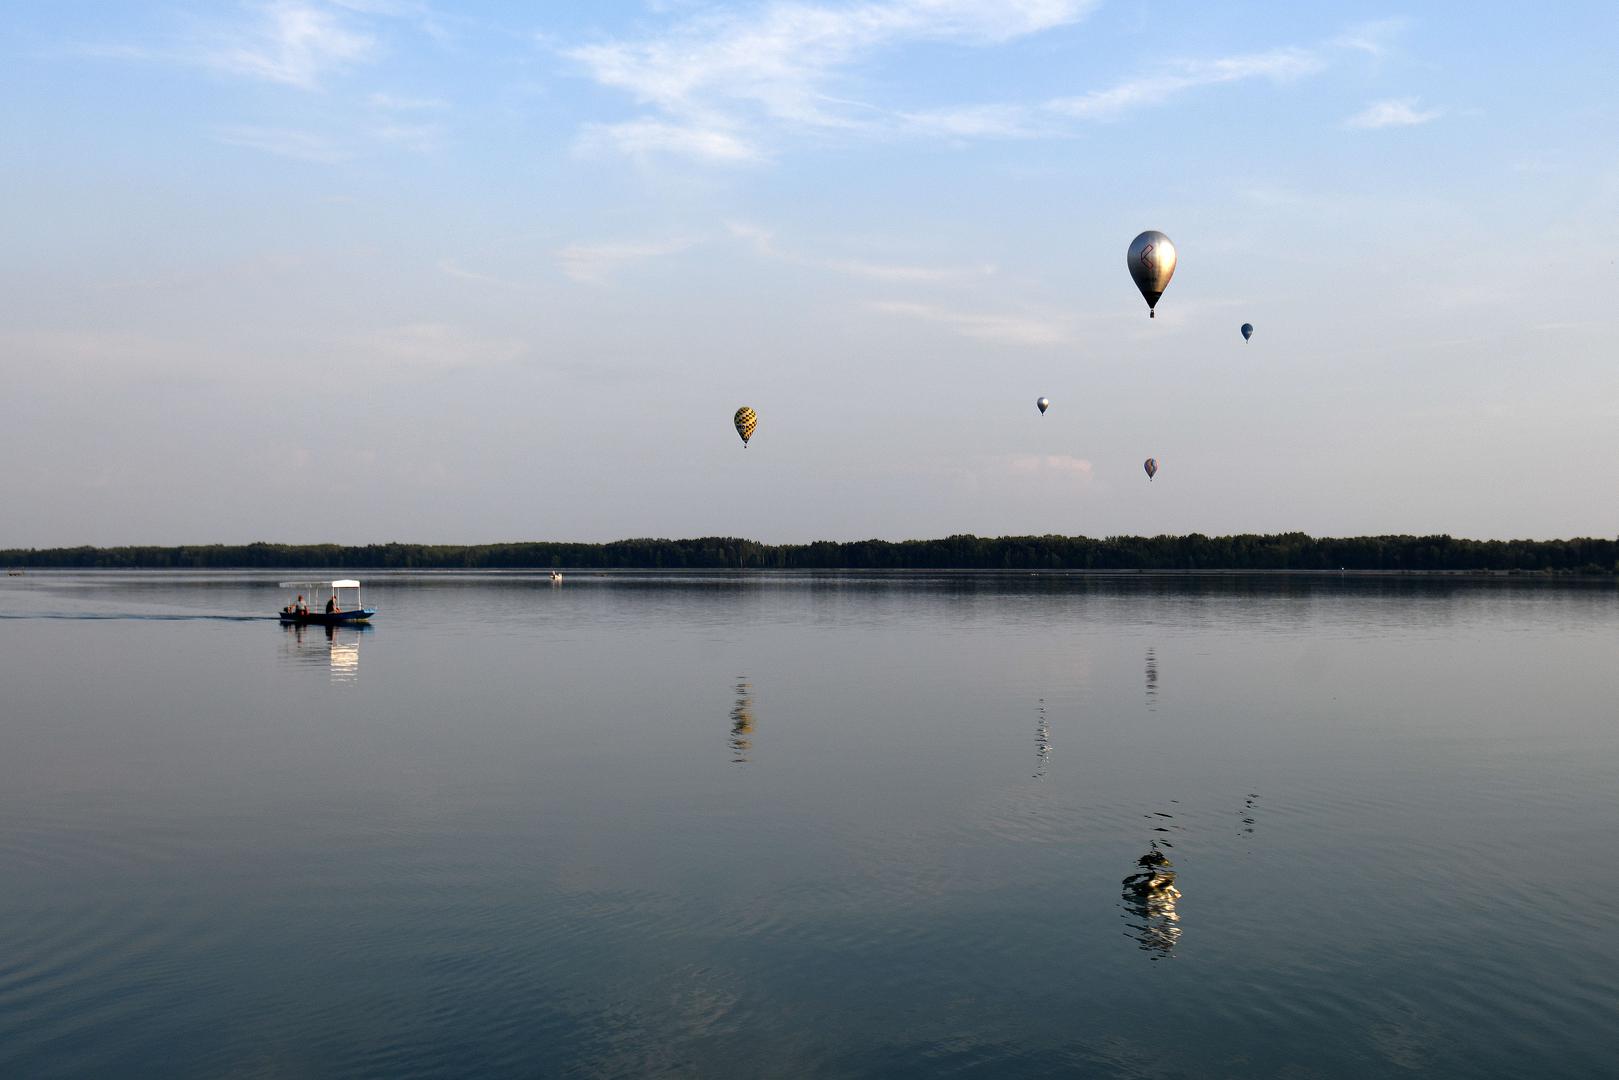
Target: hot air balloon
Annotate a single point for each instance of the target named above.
(746, 420)
(1043, 404)
(1152, 467)
(1152, 264)
(1247, 330)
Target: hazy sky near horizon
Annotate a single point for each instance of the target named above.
(367, 270)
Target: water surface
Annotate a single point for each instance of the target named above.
(810, 825)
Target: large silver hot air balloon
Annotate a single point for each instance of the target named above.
(1152, 467)
(746, 420)
(1043, 404)
(1247, 330)
(1152, 264)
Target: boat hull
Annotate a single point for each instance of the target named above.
(321, 618)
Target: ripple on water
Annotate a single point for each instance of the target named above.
(115, 961)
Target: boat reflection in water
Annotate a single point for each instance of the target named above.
(337, 648)
(741, 741)
(1152, 680)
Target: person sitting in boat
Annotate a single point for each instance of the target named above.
(331, 605)
(301, 608)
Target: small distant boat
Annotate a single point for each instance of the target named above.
(334, 597)
(556, 577)
(13, 573)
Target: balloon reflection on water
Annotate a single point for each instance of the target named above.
(1151, 895)
(1042, 742)
(1247, 813)
(741, 741)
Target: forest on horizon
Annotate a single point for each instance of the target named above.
(1279, 551)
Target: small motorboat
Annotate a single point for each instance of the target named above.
(336, 605)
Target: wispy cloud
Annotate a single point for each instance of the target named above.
(1374, 38)
(643, 139)
(717, 87)
(594, 264)
(1006, 329)
(1394, 112)
(1060, 464)
(1277, 65)
(285, 142)
(764, 244)
(977, 122)
(714, 77)
(1057, 116)
(411, 123)
(70, 355)
(421, 138)
(454, 269)
(293, 42)
(432, 23)
(396, 103)
(426, 347)
(983, 473)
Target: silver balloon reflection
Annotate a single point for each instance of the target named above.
(1043, 404)
(1150, 899)
(1247, 330)
(1152, 264)
(1042, 742)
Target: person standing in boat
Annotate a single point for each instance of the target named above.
(301, 608)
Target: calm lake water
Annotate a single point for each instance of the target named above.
(822, 826)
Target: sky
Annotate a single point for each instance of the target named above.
(373, 270)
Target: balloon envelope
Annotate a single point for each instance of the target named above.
(1043, 404)
(746, 420)
(1152, 264)
(1247, 330)
(1152, 467)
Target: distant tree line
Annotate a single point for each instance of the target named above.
(1280, 551)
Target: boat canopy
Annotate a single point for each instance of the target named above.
(341, 608)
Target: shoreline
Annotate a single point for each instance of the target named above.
(544, 572)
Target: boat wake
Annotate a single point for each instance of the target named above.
(115, 616)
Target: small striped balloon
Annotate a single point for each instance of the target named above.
(1152, 467)
(746, 420)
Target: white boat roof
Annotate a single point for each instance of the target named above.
(346, 583)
